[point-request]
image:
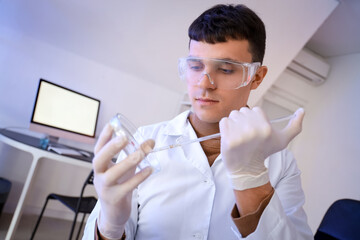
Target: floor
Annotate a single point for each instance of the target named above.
(49, 228)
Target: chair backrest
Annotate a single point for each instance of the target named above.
(341, 221)
(89, 180)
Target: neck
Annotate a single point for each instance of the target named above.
(203, 128)
(211, 147)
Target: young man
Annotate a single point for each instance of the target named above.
(243, 185)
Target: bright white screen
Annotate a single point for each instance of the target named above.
(64, 109)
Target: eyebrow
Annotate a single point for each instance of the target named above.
(230, 60)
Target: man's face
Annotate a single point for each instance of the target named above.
(209, 103)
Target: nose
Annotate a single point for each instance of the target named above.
(206, 81)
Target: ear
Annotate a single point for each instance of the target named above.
(259, 76)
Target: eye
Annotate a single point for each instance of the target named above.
(226, 71)
(226, 68)
(195, 65)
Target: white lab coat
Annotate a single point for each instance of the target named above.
(188, 199)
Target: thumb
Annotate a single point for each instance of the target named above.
(294, 126)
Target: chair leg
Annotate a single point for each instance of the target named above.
(81, 225)
(73, 226)
(39, 219)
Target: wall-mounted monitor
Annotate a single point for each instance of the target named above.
(63, 113)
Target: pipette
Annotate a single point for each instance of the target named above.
(216, 135)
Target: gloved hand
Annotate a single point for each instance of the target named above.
(114, 183)
(247, 139)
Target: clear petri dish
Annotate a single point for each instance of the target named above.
(124, 127)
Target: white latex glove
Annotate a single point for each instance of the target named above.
(114, 183)
(247, 139)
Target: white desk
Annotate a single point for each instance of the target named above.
(31, 144)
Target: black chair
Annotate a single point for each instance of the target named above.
(341, 221)
(5, 186)
(78, 205)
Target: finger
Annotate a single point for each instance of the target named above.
(294, 126)
(223, 125)
(240, 115)
(107, 152)
(226, 131)
(147, 146)
(261, 113)
(234, 114)
(242, 110)
(133, 182)
(126, 168)
(105, 136)
(245, 110)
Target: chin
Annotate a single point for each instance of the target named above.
(207, 116)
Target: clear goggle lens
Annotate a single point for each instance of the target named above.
(224, 74)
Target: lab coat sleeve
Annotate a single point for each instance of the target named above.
(284, 216)
(130, 227)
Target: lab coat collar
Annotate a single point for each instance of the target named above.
(181, 129)
(178, 125)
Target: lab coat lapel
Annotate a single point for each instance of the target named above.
(193, 153)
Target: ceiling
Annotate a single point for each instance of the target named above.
(340, 33)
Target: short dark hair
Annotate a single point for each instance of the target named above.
(231, 22)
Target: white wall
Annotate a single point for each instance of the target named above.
(328, 150)
(23, 61)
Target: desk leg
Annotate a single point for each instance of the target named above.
(19, 208)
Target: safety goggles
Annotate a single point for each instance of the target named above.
(224, 74)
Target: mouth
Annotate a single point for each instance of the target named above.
(206, 101)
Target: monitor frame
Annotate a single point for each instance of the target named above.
(53, 132)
